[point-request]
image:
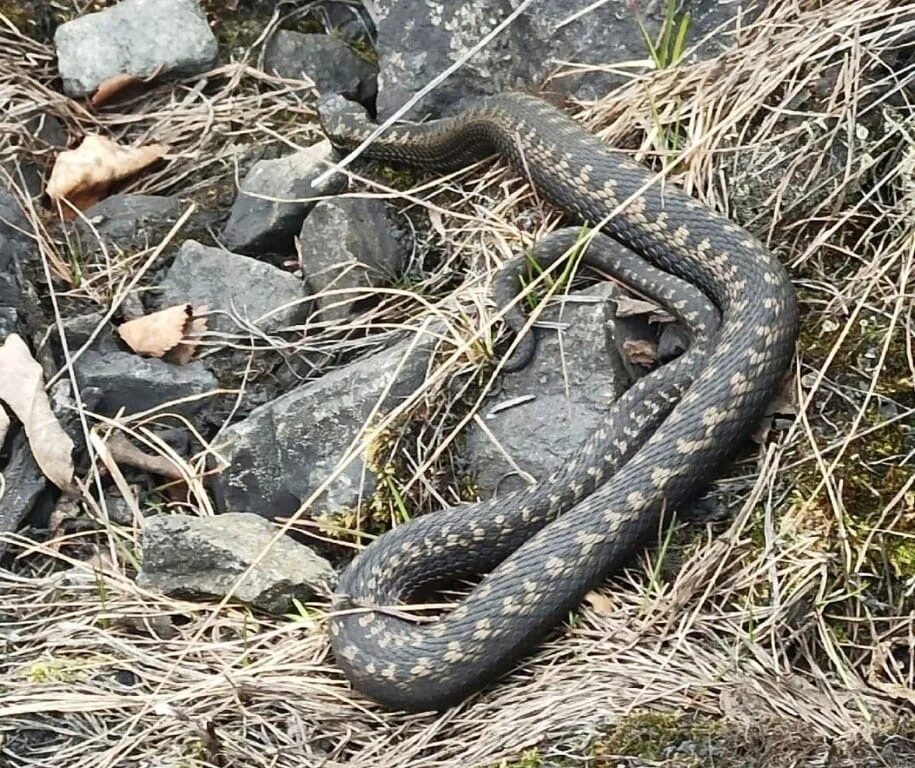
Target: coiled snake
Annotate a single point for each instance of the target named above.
(542, 549)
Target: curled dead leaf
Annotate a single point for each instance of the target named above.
(118, 451)
(84, 175)
(116, 87)
(22, 389)
(169, 333)
(125, 452)
(184, 351)
(640, 351)
(629, 306)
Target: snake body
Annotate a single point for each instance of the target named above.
(543, 548)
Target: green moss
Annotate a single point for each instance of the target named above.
(901, 555)
(38, 18)
(868, 554)
(19, 13)
(400, 177)
(858, 353)
(237, 28)
(528, 759)
(868, 474)
(387, 506)
(59, 670)
(672, 740)
(652, 735)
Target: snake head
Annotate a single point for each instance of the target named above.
(344, 122)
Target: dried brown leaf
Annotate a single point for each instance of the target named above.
(640, 351)
(22, 389)
(627, 306)
(194, 330)
(125, 452)
(158, 332)
(117, 87)
(161, 333)
(84, 175)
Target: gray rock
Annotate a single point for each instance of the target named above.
(124, 380)
(807, 166)
(417, 40)
(287, 448)
(26, 494)
(129, 222)
(233, 283)
(571, 381)
(274, 199)
(9, 318)
(26, 491)
(350, 244)
(330, 63)
(183, 554)
(79, 329)
(13, 224)
(134, 37)
(16, 249)
(610, 34)
(118, 509)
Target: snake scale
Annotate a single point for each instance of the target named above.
(541, 549)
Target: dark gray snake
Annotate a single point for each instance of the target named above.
(543, 548)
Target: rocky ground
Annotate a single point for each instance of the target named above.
(226, 365)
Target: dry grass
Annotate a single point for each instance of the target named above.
(797, 615)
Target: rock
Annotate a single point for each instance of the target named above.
(134, 383)
(183, 554)
(9, 318)
(572, 384)
(350, 244)
(791, 178)
(25, 490)
(129, 222)
(118, 509)
(284, 450)
(610, 34)
(258, 222)
(233, 283)
(79, 329)
(16, 249)
(330, 63)
(417, 40)
(13, 224)
(135, 37)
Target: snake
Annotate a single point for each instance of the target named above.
(532, 555)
